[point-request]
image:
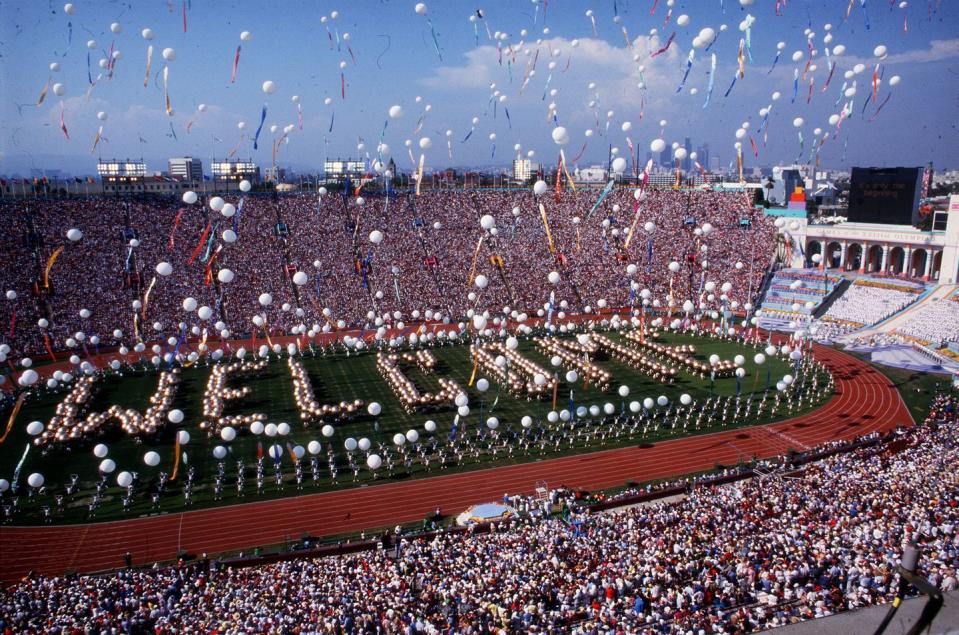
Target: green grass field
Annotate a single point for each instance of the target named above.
(335, 377)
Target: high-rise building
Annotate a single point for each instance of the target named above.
(665, 157)
(687, 162)
(702, 154)
(186, 168)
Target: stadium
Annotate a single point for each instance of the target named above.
(635, 396)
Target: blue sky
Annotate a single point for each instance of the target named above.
(395, 61)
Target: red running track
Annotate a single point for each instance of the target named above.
(865, 401)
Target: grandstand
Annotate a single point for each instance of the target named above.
(431, 250)
(795, 295)
(867, 302)
(560, 566)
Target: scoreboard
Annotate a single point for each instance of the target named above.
(885, 195)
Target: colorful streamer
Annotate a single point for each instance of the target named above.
(236, 63)
(549, 235)
(146, 298)
(730, 89)
(96, 140)
(666, 47)
(63, 123)
(712, 79)
(13, 416)
(603, 195)
(176, 223)
(741, 57)
(689, 66)
(166, 91)
(775, 61)
(876, 114)
(436, 44)
(43, 92)
(256, 137)
(146, 75)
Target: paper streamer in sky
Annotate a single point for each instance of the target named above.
(712, 79)
(146, 75)
(730, 89)
(436, 44)
(666, 47)
(256, 137)
(795, 85)
(876, 114)
(96, 139)
(689, 66)
(603, 194)
(775, 61)
(63, 123)
(43, 92)
(236, 63)
(166, 91)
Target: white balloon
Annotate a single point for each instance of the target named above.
(100, 450)
(35, 480)
(560, 136)
(169, 54)
(151, 458)
(269, 87)
(107, 466)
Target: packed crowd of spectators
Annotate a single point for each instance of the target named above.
(935, 323)
(865, 305)
(735, 558)
(424, 261)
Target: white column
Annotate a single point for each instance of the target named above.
(929, 255)
(907, 261)
(844, 248)
(885, 258)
